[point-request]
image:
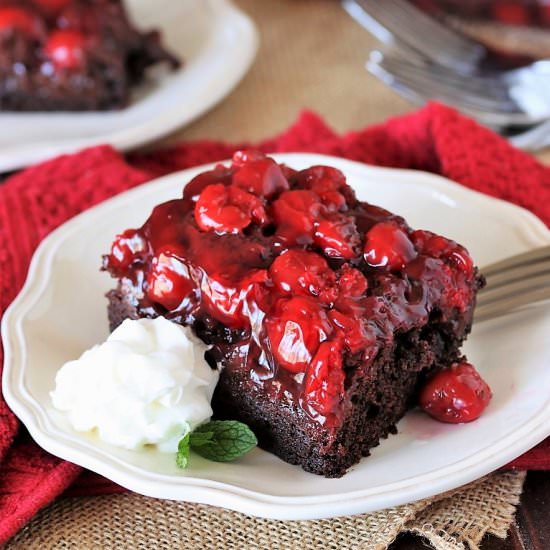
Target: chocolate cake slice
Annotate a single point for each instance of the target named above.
(72, 55)
(324, 313)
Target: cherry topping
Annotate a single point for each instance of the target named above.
(19, 19)
(352, 329)
(263, 178)
(337, 237)
(324, 382)
(439, 247)
(169, 282)
(227, 209)
(225, 301)
(295, 213)
(457, 394)
(126, 248)
(295, 329)
(388, 245)
(300, 272)
(244, 156)
(352, 283)
(66, 48)
(328, 183)
(220, 174)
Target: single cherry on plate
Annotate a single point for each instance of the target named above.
(455, 395)
(66, 48)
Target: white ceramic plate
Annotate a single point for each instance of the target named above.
(217, 43)
(61, 311)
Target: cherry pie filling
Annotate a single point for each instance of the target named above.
(288, 270)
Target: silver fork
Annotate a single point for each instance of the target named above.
(391, 20)
(519, 97)
(514, 282)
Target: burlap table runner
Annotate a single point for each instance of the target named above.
(312, 55)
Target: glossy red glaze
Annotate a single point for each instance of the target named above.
(298, 271)
(66, 48)
(388, 245)
(295, 329)
(267, 263)
(457, 394)
(227, 209)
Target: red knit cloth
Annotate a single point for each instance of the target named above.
(37, 200)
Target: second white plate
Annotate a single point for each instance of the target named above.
(217, 43)
(61, 311)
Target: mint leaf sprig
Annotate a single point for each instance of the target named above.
(218, 440)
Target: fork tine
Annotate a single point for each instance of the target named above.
(422, 88)
(513, 289)
(502, 307)
(399, 19)
(540, 254)
(520, 273)
(477, 92)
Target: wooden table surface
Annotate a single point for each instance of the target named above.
(530, 531)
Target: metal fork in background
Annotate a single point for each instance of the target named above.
(426, 60)
(514, 282)
(513, 98)
(398, 20)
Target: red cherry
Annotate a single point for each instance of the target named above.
(457, 394)
(300, 272)
(169, 282)
(352, 283)
(437, 246)
(227, 209)
(66, 49)
(388, 245)
(244, 156)
(225, 301)
(220, 174)
(327, 182)
(324, 382)
(337, 237)
(294, 213)
(295, 329)
(19, 19)
(126, 248)
(263, 178)
(352, 329)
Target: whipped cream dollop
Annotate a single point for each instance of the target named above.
(147, 384)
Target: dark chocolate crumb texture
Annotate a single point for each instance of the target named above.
(72, 55)
(325, 313)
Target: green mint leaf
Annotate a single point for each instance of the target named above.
(198, 439)
(230, 439)
(182, 458)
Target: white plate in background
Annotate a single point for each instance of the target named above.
(61, 311)
(217, 43)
